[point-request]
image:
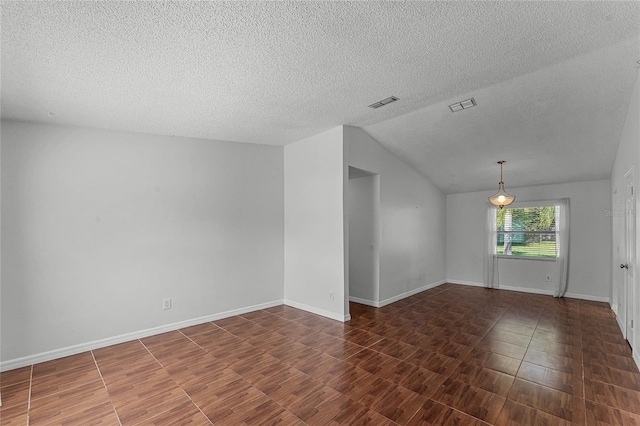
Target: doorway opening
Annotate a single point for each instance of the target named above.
(363, 205)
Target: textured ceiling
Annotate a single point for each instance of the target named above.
(552, 80)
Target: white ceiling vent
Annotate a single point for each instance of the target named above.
(383, 102)
(459, 106)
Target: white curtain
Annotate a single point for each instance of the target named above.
(563, 225)
(490, 256)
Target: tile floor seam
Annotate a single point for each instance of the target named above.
(29, 400)
(452, 408)
(189, 396)
(176, 383)
(243, 378)
(413, 415)
(467, 414)
(196, 405)
(105, 388)
(545, 386)
(584, 394)
(506, 398)
(166, 411)
(292, 366)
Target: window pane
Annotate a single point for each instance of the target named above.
(526, 244)
(540, 241)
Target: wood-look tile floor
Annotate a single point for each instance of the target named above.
(452, 355)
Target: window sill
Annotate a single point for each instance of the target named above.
(540, 259)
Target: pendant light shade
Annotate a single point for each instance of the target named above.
(501, 198)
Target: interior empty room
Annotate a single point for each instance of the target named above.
(319, 213)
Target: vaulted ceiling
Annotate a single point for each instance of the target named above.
(551, 80)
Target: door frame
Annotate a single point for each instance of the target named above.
(630, 252)
(357, 173)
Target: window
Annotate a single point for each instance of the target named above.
(533, 230)
(528, 232)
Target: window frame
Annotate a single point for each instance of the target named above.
(524, 204)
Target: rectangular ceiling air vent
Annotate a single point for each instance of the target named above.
(383, 102)
(459, 106)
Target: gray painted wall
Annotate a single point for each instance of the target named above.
(412, 219)
(99, 227)
(314, 217)
(628, 155)
(590, 240)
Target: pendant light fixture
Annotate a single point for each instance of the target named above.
(501, 198)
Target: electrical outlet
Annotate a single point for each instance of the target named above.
(166, 304)
(331, 296)
(419, 276)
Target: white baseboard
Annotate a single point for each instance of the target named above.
(395, 298)
(534, 291)
(588, 297)
(614, 308)
(527, 290)
(364, 301)
(461, 282)
(504, 287)
(634, 353)
(317, 311)
(96, 344)
(410, 293)
(620, 324)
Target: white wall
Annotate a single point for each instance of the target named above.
(1, 125)
(364, 238)
(590, 244)
(412, 219)
(98, 227)
(314, 230)
(627, 155)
